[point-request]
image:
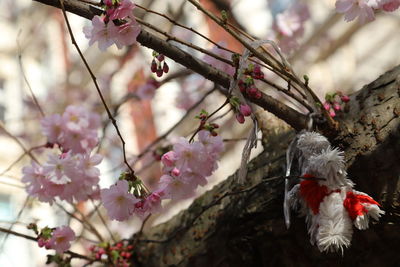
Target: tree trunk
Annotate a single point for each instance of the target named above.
(243, 225)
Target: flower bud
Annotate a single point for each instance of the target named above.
(159, 72)
(336, 106)
(160, 57)
(165, 67)
(153, 66)
(327, 106)
(240, 118)
(245, 110)
(345, 98)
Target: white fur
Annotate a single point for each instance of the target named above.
(335, 226)
(329, 165)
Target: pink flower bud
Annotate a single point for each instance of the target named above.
(345, 98)
(245, 110)
(327, 106)
(240, 118)
(252, 91)
(41, 242)
(175, 172)
(336, 106)
(242, 86)
(169, 158)
(332, 113)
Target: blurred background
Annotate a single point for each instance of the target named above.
(36, 53)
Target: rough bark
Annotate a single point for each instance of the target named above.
(234, 225)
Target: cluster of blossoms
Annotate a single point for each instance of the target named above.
(364, 9)
(70, 171)
(120, 253)
(158, 65)
(225, 67)
(148, 90)
(246, 83)
(128, 197)
(289, 25)
(334, 102)
(189, 164)
(58, 239)
(185, 168)
(116, 26)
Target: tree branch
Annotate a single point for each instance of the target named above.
(294, 118)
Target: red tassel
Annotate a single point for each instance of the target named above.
(354, 204)
(313, 193)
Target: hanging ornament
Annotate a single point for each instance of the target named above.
(325, 196)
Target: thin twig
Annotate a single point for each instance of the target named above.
(18, 142)
(103, 221)
(16, 219)
(84, 223)
(21, 66)
(208, 117)
(163, 136)
(110, 116)
(19, 158)
(71, 253)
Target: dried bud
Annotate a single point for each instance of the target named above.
(153, 66)
(165, 67)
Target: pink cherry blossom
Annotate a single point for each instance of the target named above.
(87, 164)
(57, 168)
(52, 127)
(194, 178)
(213, 144)
(176, 189)
(148, 90)
(289, 26)
(38, 185)
(169, 159)
(123, 10)
(192, 157)
(291, 22)
(61, 239)
(120, 204)
(126, 34)
(100, 32)
(149, 205)
(363, 9)
(79, 129)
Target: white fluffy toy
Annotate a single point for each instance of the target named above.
(326, 196)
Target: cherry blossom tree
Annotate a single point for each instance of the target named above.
(240, 221)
